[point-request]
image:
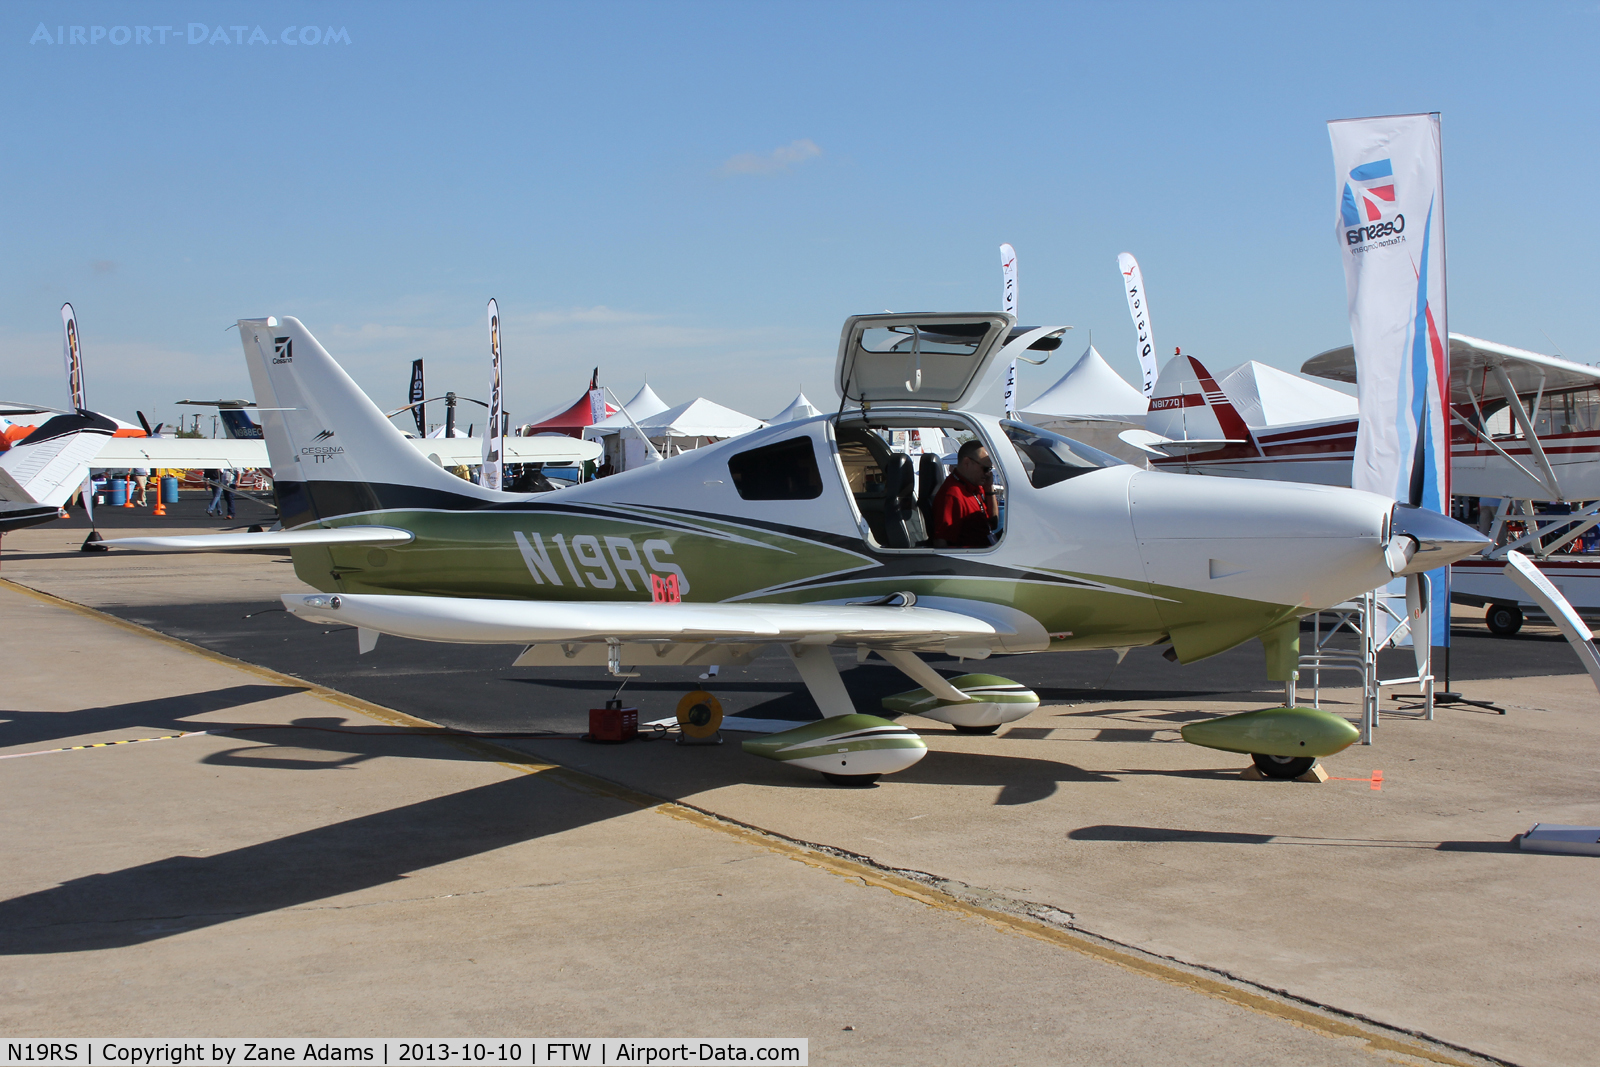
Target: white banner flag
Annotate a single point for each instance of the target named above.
(1139, 308)
(597, 398)
(1008, 271)
(73, 355)
(489, 477)
(1008, 274)
(1389, 222)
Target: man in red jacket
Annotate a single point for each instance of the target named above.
(964, 509)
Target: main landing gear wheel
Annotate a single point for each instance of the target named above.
(991, 728)
(852, 781)
(1503, 620)
(1284, 767)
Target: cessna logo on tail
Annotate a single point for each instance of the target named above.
(323, 436)
(282, 350)
(322, 453)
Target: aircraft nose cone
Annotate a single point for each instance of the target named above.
(1439, 540)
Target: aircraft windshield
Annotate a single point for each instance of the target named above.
(1050, 458)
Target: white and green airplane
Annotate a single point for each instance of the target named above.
(813, 534)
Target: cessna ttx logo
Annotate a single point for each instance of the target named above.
(323, 436)
(282, 350)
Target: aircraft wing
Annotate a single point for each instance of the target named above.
(1471, 362)
(182, 453)
(255, 542)
(528, 622)
(240, 454)
(554, 449)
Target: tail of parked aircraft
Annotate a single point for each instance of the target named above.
(1188, 405)
(44, 468)
(333, 453)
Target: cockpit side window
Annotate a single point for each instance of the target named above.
(786, 470)
(1050, 458)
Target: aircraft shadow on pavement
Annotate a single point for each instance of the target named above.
(1167, 835)
(164, 713)
(1021, 780)
(183, 893)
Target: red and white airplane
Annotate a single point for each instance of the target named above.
(1525, 429)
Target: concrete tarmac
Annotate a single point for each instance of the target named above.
(1406, 905)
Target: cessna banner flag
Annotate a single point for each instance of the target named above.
(73, 355)
(492, 443)
(1139, 308)
(1008, 272)
(1389, 222)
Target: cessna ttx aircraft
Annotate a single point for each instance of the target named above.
(809, 534)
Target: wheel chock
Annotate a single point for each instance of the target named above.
(1315, 776)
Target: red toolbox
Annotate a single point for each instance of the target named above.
(613, 723)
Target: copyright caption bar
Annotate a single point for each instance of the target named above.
(405, 1052)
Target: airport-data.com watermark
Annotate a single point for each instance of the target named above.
(193, 33)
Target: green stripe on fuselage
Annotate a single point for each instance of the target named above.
(607, 553)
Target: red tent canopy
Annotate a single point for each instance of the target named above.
(575, 419)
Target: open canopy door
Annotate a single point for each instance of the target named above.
(939, 360)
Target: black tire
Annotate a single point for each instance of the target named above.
(852, 781)
(1284, 767)
(975, 729)
(1503, 620)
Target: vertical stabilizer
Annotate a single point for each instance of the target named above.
(1188, 405)
(333, 453)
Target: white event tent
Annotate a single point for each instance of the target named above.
(615, 433)
(672, 430)
(799, 408)
(698, 422)
(1091, 403)
(1266, 396)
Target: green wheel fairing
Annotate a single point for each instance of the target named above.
(1289, 732)
(984, 688)
(845, 744)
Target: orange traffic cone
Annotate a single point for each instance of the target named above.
(161, 509)
(128, 499)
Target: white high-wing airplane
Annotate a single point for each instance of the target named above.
(809, 534)
(1525, 428)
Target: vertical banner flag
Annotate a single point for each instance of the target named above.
(415, 398)
(597, 398)
(1389, 222)
(73, 355)
(492, 443)
(1139, 308)
(1008, 274)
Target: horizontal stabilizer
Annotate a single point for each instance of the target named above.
(254, 542)
(1157, 445)
(181, 453)
(475, 621)
(556, 449)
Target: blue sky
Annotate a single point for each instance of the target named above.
(701, 193)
